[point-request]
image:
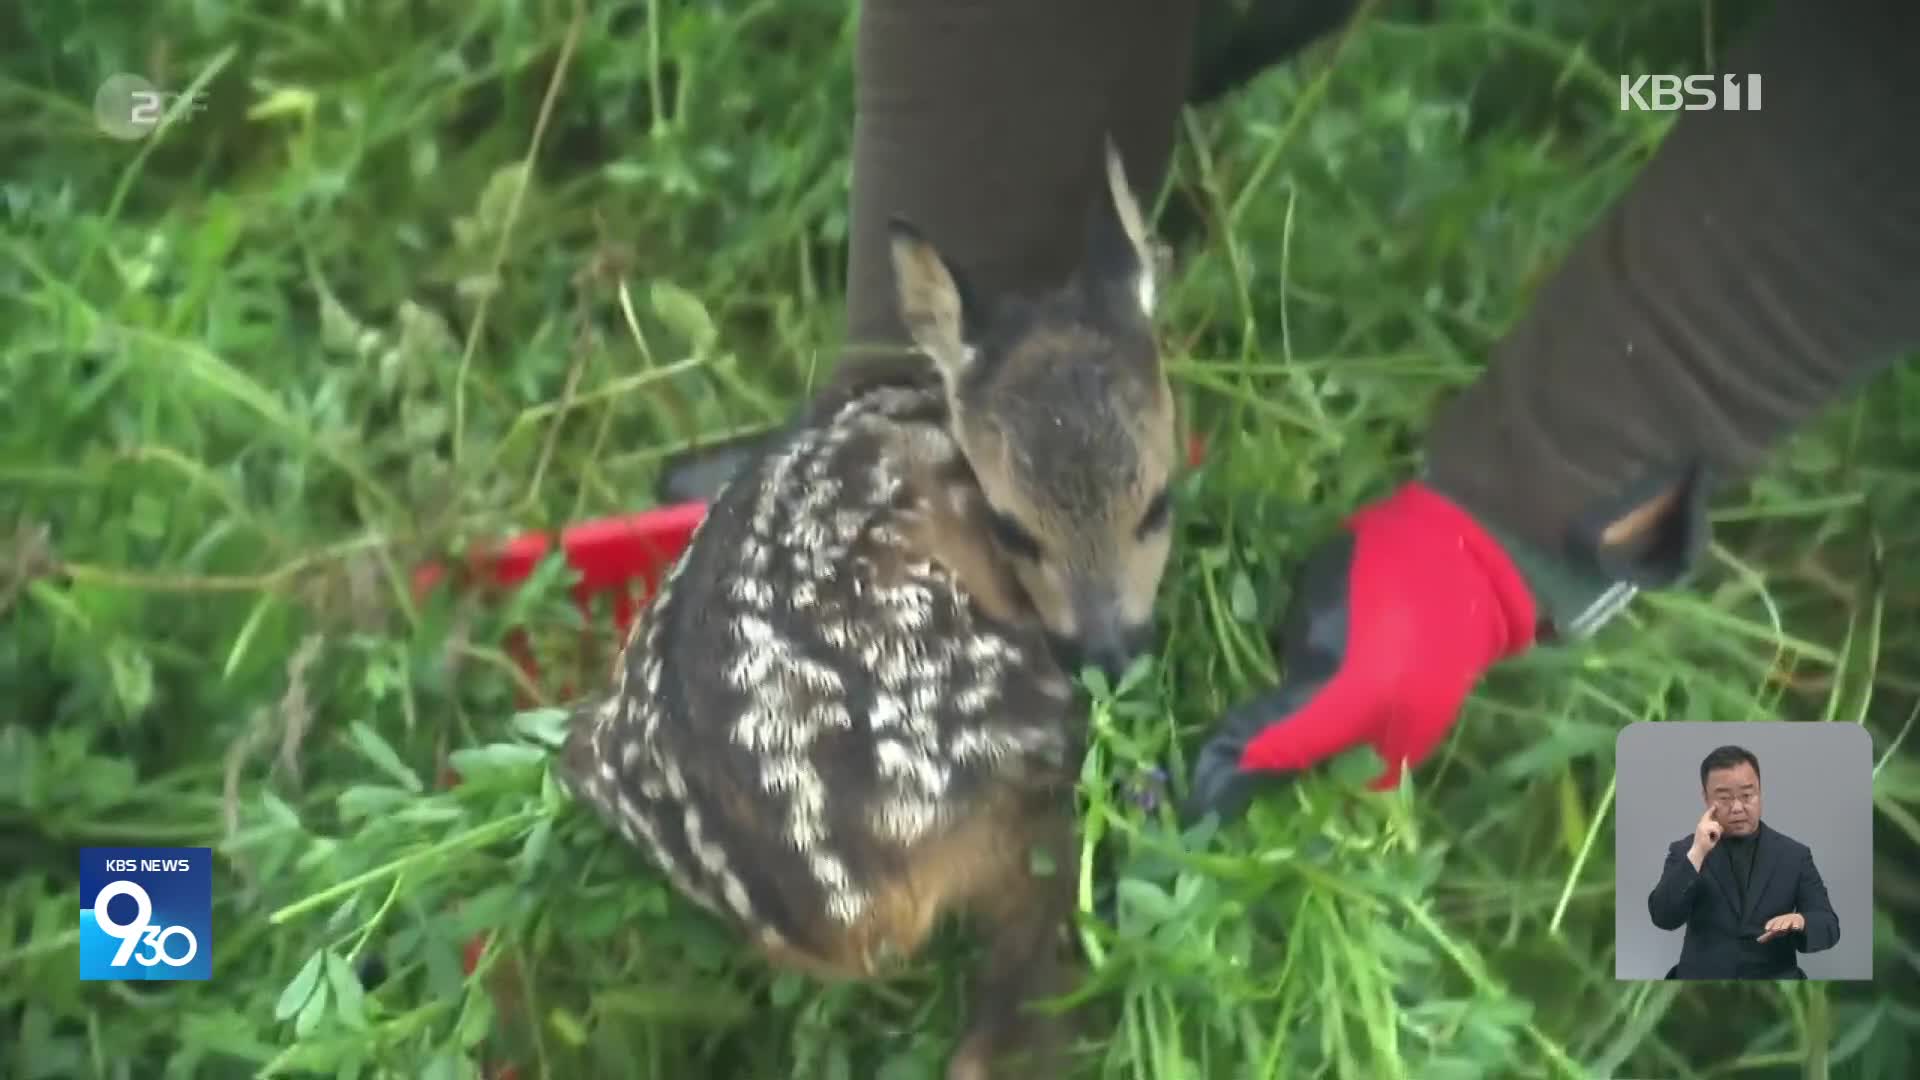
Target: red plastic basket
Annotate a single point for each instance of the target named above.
(621, 557)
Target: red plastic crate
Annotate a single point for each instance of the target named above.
(613, 555)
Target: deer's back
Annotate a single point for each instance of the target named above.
(835, 678)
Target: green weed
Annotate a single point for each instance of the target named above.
(424, 275)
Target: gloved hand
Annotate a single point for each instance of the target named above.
(1393, 624)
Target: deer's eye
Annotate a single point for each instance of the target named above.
(1155, 517)
(1014, 536)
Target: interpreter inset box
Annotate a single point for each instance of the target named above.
(1743, 851)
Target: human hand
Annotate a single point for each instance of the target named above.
(1706, 834)
(1783, 924)
(1390, 629)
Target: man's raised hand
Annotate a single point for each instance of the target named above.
(1706, 834)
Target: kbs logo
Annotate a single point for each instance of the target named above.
(146, 913)
(1694, 93)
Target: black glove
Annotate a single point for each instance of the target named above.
(697, 475)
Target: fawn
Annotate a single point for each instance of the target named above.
(849, 710)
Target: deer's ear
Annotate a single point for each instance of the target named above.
(1121, 258)
(933, 301)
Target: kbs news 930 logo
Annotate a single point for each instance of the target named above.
(146, 913)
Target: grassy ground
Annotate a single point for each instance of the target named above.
(425, 274)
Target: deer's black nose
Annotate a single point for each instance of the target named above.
(1110, 646)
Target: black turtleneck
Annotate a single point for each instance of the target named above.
(1740, 852)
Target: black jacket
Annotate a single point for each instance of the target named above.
(1722, 936)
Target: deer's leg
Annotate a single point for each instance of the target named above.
(1024, 910)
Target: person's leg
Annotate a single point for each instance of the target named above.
(981, 122)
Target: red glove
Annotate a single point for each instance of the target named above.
(1393, 625)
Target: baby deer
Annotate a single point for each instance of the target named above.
(847, 711)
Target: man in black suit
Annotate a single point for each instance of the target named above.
(1748, 894)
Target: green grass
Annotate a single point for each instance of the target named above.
(421, 275)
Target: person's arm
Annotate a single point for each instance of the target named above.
(1762, 264)
(1670, 904)
(1810, 900)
